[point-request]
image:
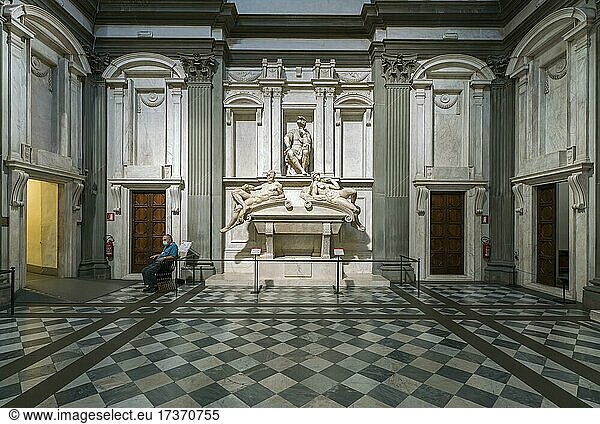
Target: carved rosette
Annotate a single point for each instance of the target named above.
(198, 67)
(398, 69)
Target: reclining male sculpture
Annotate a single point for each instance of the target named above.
(248, 196)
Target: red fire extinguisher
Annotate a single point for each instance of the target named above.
(486, 248)
(109, 247)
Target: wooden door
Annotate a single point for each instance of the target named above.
(546, 235)
(149, 212)
(447, 233)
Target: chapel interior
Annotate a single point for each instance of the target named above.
(373, 203)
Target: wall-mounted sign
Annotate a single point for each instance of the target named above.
(255, 251)
(338, 252)
(110, 216)
(485, 219)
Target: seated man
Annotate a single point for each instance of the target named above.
(169, 252)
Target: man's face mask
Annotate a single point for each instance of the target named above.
(165, 243)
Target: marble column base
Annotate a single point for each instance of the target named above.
(94, 269)
(591, 295)
(499, 272)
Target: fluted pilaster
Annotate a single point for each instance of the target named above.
(205, 153)
(391, 145)
(502, 155)
(93, 227)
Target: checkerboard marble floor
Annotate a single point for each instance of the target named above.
(455, 345)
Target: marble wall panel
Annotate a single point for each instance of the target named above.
(43, 108)
(246, 145)
(151, 129)
(554, 106)
(353, 145)
(448, 134)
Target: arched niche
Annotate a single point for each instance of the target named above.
(144, 65)
(245, 155)
(52, 32)
(353, 135)
(454, 66)
(564, 24)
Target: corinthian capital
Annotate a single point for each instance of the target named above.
(198, 67)
(398, 69)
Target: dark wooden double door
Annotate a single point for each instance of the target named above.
(546, 235)
(149, 226)
(447, 233)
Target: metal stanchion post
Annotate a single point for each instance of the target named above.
(338, 252)
(337, 276)
(12, 291)
(419, 277)
(257, 288)
(563, 284)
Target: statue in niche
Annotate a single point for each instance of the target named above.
(249, 196)
(298, 146)
(329, 190)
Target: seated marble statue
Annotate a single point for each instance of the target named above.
(249, 196)
(298, 145)
(329, 190)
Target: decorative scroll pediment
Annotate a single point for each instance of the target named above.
(115, 191)
(77, 196)
(174, 193)
(578, 185)
(517, 190)
(480, 196)
(18, 188)
(422, 195)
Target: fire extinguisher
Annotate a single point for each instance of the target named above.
(109, 247)
(486, 248)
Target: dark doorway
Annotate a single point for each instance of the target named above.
(149, 212)
(447, 233)
(546, 235)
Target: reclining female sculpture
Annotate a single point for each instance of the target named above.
(329, 190)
